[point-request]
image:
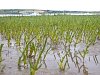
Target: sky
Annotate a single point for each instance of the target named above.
(71, 5)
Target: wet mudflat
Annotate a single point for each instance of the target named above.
(90, 66)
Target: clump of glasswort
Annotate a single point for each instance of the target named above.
(33, 55)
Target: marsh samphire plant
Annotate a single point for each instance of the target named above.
(1, 46)
(33, 55)
(37, 63)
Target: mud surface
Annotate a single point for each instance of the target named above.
(10, 58)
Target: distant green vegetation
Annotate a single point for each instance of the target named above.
(36, 31)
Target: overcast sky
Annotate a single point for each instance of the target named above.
(78, 5)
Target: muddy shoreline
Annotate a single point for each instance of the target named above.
(11, 55)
